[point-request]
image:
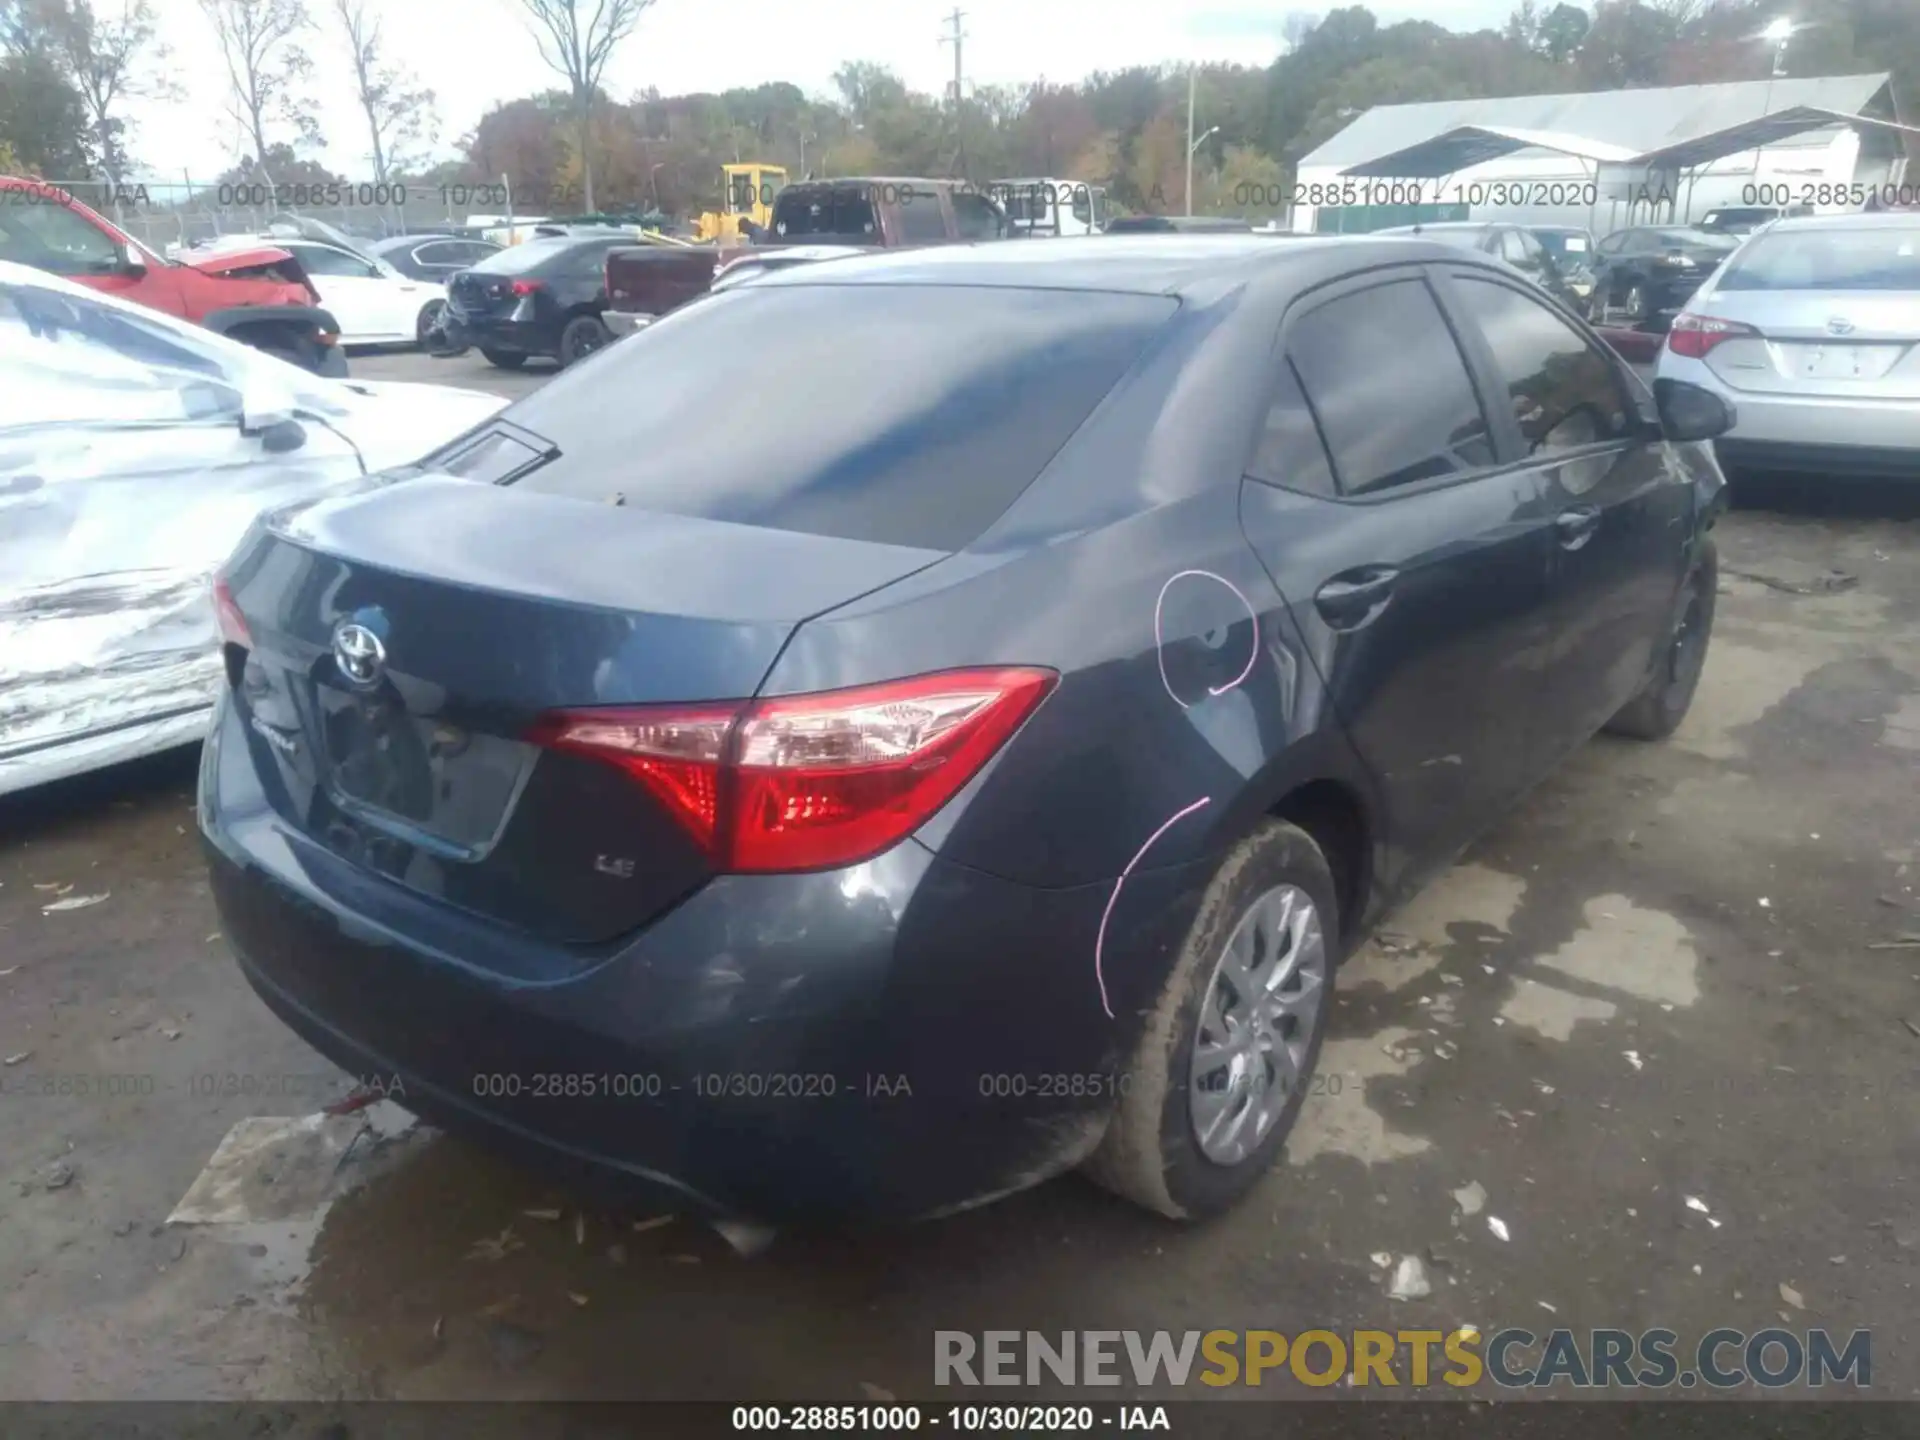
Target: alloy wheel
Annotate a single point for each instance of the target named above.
(1257, 1023)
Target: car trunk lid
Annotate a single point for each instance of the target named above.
(404, 644)
(1820, 343)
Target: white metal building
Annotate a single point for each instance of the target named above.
(1607, 159)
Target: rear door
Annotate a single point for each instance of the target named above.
(1622, 507)
(360, 303)
(1414, 564)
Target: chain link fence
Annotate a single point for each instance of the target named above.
(165, 214)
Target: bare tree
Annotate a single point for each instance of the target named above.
(265, 65)
(400, 113)
(577, 46)
(112, 59)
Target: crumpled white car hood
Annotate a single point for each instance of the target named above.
(111, 533)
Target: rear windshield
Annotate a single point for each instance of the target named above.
(528, 255)
(1693, 240)
(1829, 260)
(842, 211)
(907, 415)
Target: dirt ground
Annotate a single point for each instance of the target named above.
(1657, 980)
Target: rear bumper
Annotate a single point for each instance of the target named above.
(625, 322)
(515, 337)
(890, 1041)
(1809, 433)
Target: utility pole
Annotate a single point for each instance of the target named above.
(955, 39)
(1192, 71)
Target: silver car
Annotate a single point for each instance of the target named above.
(1811, 329)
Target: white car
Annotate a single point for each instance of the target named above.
(135, 451)
(373, 303)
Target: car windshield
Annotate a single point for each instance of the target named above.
(904, 415)
(1692, 239)
(1865, 259)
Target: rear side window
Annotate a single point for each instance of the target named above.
(1390, 388)
(1875, 259)
(920, 217)
(1565, 393)
(1290, 452)
(907, 415)
(841, 211)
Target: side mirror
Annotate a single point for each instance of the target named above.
(132, 262)
(1689, 413)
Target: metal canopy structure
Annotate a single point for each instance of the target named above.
(1647, 126)
(1760, 133)
(1465, 146)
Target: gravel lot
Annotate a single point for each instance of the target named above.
(1656, 980)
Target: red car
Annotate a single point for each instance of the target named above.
(261, 296)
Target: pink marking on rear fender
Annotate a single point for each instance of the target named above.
(1160, 644)
(1100, 940)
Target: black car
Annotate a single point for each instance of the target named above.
(1515, 244)
(544, 296)
(1745, 219)
(891, 732)
(1177, 225)
(432, 257)
(1644, 276)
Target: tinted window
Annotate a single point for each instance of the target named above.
(1613, 244)
(527, 256)
(1866, 259)
(920, 216)
(1565, 393)
(1390, 388)
(908, 415)
(842, 211)
(320, 260)
(447, 252)
(974, 217)
(1693, 240)
(1289, 451)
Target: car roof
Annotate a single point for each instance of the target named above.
(1441, 225)
(1147, 265)
(1858, 220)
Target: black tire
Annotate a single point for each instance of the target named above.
(1150, 1153)
(1663, 702)
(503, 359)
(584, 335)
(431, 316)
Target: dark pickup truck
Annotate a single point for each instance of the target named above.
(644, 282)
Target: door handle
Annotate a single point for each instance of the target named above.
(1356, 597)
(1575, 527)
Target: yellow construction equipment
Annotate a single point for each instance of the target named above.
(747, 191)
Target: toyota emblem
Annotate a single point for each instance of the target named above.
(359, 653)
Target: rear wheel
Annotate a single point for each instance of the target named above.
(432, 316)
(503, 359)
(1656, 712)
(584, 335)
(1229, 1050)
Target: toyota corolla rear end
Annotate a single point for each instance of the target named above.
(510, 797)
(1812, 332)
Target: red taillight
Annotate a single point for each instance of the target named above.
(525, 287)
(809, 782)
(1695, 335)
(226, 611)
